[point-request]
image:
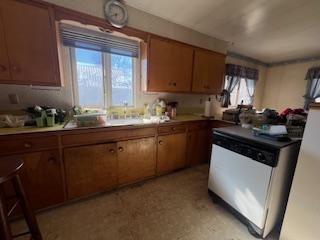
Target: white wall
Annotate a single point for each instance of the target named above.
(285, 86)
(63, 97)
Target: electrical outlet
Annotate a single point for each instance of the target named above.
(14, 98)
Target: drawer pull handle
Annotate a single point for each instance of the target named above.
(160, 142)
(120, 149)
(27, 145)
(112, 151)
(173, 128)
(14, 68)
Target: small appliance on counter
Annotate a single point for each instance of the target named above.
(172, 109)
(251, 176)
(232, 114)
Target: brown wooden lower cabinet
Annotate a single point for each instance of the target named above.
(136, 159)
(90, 169)
(199, 145)
(171, 152)
(42, 178)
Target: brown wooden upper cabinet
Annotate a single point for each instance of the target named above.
(208, 72)
(169, 66)
(28, 45)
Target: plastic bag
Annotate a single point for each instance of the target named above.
(12, 121)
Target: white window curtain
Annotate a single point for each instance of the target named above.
(251, 84)
(234, 73)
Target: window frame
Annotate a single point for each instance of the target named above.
(107, 81)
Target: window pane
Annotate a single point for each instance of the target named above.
(90, 78)
(122, 80)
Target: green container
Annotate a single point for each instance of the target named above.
(50, 121)
(40, 122)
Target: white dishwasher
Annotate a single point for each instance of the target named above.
(251, 179)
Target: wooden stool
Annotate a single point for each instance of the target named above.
(9, 171)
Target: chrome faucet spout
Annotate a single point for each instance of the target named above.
(125, 109)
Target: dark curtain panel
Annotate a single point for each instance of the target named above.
(231, 83)
(234, 73)
(313, 86)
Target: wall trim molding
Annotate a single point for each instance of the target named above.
(273, 64)
(246, 58)
(295, 61)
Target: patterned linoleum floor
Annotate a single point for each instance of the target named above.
(171, 207)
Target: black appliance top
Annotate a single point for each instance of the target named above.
(246, 135)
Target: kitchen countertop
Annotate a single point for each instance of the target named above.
(246, 134)
(34, 129)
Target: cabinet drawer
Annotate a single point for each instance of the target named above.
(172, 129)
(19, 144)
(220, 123)
(198, 126)
(105, 136)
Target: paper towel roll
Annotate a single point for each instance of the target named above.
(207, 108)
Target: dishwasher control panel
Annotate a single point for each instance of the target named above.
(263, 155)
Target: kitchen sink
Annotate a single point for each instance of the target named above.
(124, 122)
(116, 122)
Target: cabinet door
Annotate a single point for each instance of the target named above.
(199, 147)
(4, 61)
(42, 179)
(31, 43)
(90, 169)
(208, 72)
(171, 152)
(136, 159)
(170, 66)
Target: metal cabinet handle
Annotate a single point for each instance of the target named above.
(160, 142)
(51, 159)
(173, 128)
(14, 68)
(111, 151)
(27, 145)
(120, 149)
(3, 68)
(174, 84)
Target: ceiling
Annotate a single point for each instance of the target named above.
(267, 30)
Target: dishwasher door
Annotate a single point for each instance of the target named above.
(241, 182)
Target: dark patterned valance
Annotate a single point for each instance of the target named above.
(313, 73)
(241, 71)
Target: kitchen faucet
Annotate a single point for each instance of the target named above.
(125, 109)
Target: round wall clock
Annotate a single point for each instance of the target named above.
(116, 13)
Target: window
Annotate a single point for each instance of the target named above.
(243, 91)
(102, 79)
(104, 66)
